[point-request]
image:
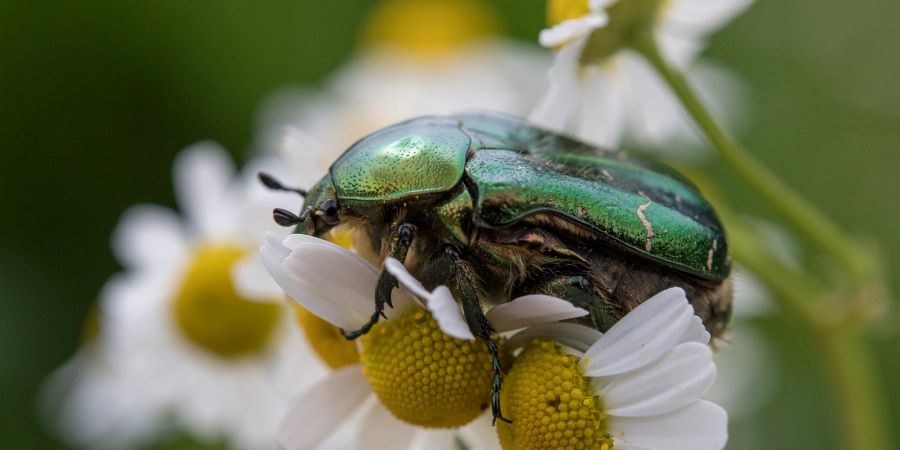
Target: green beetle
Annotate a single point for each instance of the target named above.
(496, 208)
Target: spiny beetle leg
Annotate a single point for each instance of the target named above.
(403, 237)
(386, 284)
(479, 325)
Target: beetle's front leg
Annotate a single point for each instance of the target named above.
(401, 242)
(478, 323)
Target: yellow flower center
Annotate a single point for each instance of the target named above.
(551, 403)
(430, 28)
(423, 376)
(559, 11)
(212, 315)
(326, 340)
(627, 20)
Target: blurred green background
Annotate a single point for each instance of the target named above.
(97, 97)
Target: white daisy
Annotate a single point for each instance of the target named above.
(178, 340)
(90, 404)
(424, 367)
(611, 90)
(637, 386)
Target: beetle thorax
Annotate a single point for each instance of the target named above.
(415, 158)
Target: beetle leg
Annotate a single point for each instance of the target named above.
(403, 237)
(478, 323)
(581, 292)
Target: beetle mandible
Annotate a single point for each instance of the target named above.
(495, 208)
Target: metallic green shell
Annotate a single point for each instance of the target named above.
(645, 208)
(499, 131)
(517, 170)
(643, 211)
(421, 156)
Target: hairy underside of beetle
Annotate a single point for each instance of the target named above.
(590, 272)
(544, 255)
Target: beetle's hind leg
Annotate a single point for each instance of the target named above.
(401, 242)
(478, 323)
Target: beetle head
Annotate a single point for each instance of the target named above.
(320, 210)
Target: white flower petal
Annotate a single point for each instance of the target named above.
(751, 298)
(307, 159)
(655, 114)
(700, 426)
(202, 175)
(746, 384)
(678, 49)
(700, 17)
(256, 201)
(380, 429)
(323, 408)
(404, 278)
(695, 332)
(530, 310)
(148, 237)
(435, 439)
(569, 30)
(578, 337)
(328, 280)
(440, 302)
(252, 281)
(642, 336)
(677, 379)
(480, 434)
(445, 310)
(596, 5)
(602, 118)
(563, 96)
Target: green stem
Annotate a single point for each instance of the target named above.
(850, 366)
(846, 355)
(798, 212)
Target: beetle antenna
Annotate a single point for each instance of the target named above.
(276, 185)
(286, 218)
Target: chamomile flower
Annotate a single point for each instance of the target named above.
(636, 386)
(178, 340)
(417, 57)
(601, 90)
(422, 364)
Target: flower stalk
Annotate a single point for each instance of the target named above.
(798, 212)
(839, 337)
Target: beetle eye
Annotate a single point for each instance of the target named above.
(329, 212)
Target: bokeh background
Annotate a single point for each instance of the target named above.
(97, 97)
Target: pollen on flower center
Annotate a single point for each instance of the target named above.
(551, 403)
(423, 376)
(326, 339)
(212, 315)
